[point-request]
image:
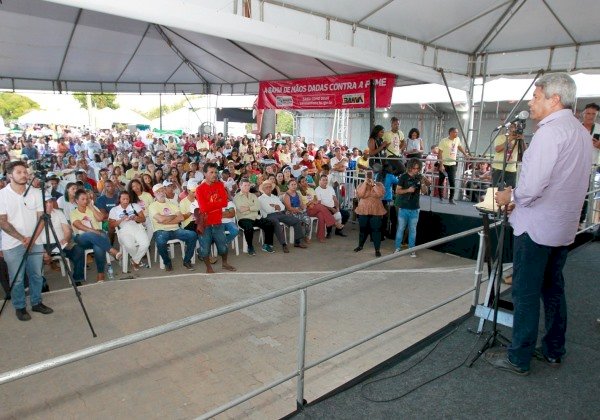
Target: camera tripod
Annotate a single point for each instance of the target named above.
(45, 220)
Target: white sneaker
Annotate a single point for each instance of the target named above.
(397, 250)
(413, 255)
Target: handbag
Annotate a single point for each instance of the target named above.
(200, 217)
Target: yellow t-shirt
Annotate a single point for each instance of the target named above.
(310, 193)
(449, 150)
(394, 140)
(145, 201)
(511, 157)
(86, 218)
(167, 208)
(132, 173)
(184, 207)
(362, 162)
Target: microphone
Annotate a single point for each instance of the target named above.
(521, 116)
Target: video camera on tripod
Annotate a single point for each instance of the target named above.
(41, 167)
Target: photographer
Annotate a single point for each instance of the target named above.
(410, 186)
(510, 145)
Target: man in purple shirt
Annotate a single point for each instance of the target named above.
(545, 208)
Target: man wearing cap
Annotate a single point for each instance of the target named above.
(272, 208)
(64, 234)
(135, 169)
(170, 192)
(212, 199)
(165, 218)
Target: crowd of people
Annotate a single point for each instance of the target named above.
(114, 193)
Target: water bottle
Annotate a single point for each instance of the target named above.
(111, 273)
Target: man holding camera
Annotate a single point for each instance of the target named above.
(545, 209)
(408, 192)
(507, 145)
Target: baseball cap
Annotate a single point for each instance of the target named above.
(166, 183)
(157, 187)
(192, 184)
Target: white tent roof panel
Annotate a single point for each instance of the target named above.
(116, 45)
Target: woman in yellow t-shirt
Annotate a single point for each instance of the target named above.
(86, 220)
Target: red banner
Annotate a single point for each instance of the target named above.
(329, 92)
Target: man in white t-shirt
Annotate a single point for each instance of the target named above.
(339, 165)
(19, 214)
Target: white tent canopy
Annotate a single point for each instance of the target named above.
(106, 117)
(205, 46)
(77, 118)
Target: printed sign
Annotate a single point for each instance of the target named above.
(330, 92)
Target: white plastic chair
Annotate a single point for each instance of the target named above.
(171, 244)
(125, 258)
(85, 255)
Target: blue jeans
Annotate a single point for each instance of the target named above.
(76, 255)
(537, 272)
(216, 234)
(99, 243)
(410, 218)
(187, 236)
(33, 267)
(233, 230)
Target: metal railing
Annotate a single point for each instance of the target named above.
(301, 367)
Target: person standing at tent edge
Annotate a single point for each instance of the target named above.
(545, 209)
(447, 153)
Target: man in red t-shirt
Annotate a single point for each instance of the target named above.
(212, 198)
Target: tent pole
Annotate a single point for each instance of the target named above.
(372, 107)
(160, 111)
(460, 126)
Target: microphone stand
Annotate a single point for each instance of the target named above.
(497, 270)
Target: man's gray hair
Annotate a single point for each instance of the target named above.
(560, 84)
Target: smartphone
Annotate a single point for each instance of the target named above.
(596, 137)
(369, 174)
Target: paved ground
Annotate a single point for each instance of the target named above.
(191, 371)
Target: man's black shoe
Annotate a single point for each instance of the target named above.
(78, 283)
(168, 267)
(550, 361)
(41, 308)
(499, 360)
(189, 266)
(22, 314)
(340, 233)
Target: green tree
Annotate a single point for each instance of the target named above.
(154, 113)
(12, 105)
(99, 100)
(285, 122)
